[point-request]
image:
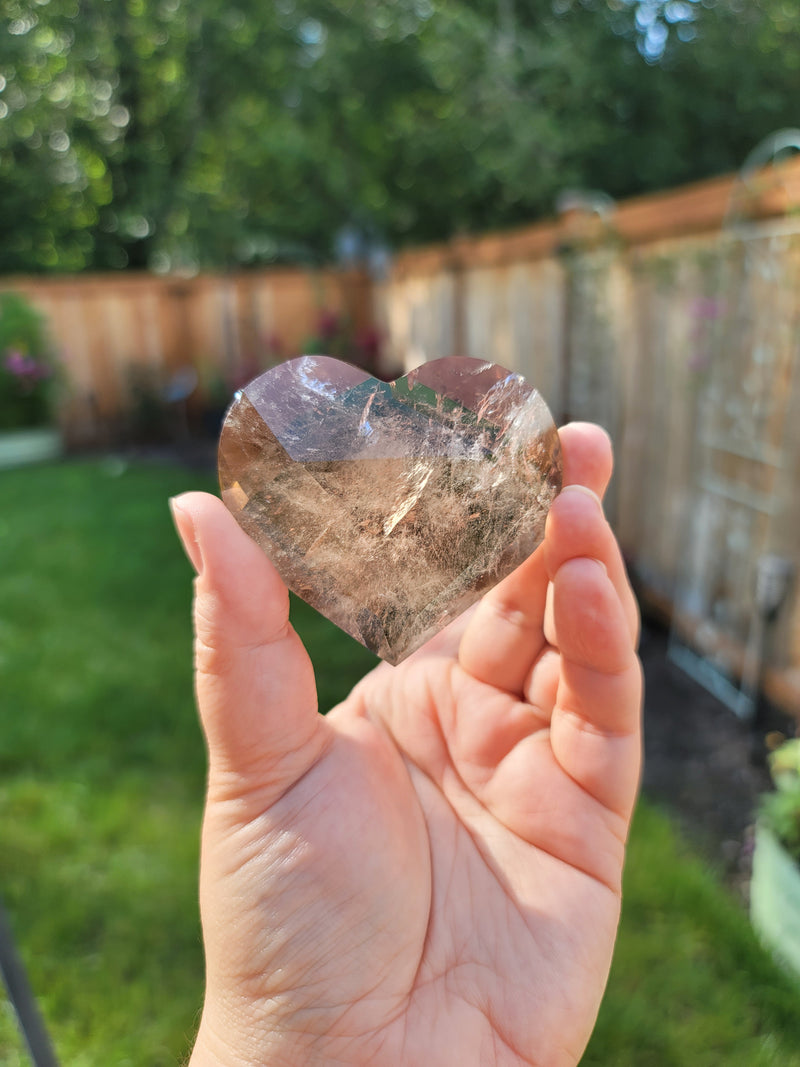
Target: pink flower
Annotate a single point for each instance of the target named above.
(328, 324)
(369, 341)
(273, 344)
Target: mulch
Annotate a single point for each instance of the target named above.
(702, 764)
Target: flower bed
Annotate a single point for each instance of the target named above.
(27, 377)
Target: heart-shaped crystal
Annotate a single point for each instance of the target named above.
(390, 508)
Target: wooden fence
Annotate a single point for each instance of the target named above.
(120, 334)
(674, 321)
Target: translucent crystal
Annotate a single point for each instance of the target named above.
(390, 508)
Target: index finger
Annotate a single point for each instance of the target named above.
(586, 456)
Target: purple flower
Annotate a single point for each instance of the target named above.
(16, 363)
(707, 307)
(27, 370)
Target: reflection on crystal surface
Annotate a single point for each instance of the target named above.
(390, 508)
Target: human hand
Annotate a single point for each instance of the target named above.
(431, 873)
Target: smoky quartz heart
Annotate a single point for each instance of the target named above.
(390, 507)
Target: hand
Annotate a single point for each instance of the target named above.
(431, 873)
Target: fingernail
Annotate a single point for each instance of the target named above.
(585, 491)
(184, 524)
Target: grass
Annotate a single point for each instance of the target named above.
(690, 984)
(101, 781)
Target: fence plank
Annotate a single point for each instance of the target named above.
(111, 331)
(640, 321)
(656, 320)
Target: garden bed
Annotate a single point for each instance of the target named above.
(702, 764)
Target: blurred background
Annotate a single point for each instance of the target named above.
(601, 195)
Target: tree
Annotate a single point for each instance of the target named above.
(170, 133)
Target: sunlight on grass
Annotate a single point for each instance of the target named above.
(102, 769)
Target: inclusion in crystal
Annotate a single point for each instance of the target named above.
(390, 507)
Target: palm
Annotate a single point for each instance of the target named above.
(504, 921)
(431, 873)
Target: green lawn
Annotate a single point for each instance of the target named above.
(101, 780)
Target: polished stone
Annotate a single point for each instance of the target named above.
(390, 508)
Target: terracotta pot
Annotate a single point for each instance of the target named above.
(775, 898)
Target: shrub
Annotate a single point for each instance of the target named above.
(781, 809)
(26, 371)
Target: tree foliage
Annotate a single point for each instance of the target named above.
(170, 133)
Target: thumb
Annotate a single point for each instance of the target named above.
(255, 683)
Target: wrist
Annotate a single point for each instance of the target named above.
(212, 1049)
(223, 1046)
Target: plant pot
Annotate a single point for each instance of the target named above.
(31, 445)
(775, 898)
